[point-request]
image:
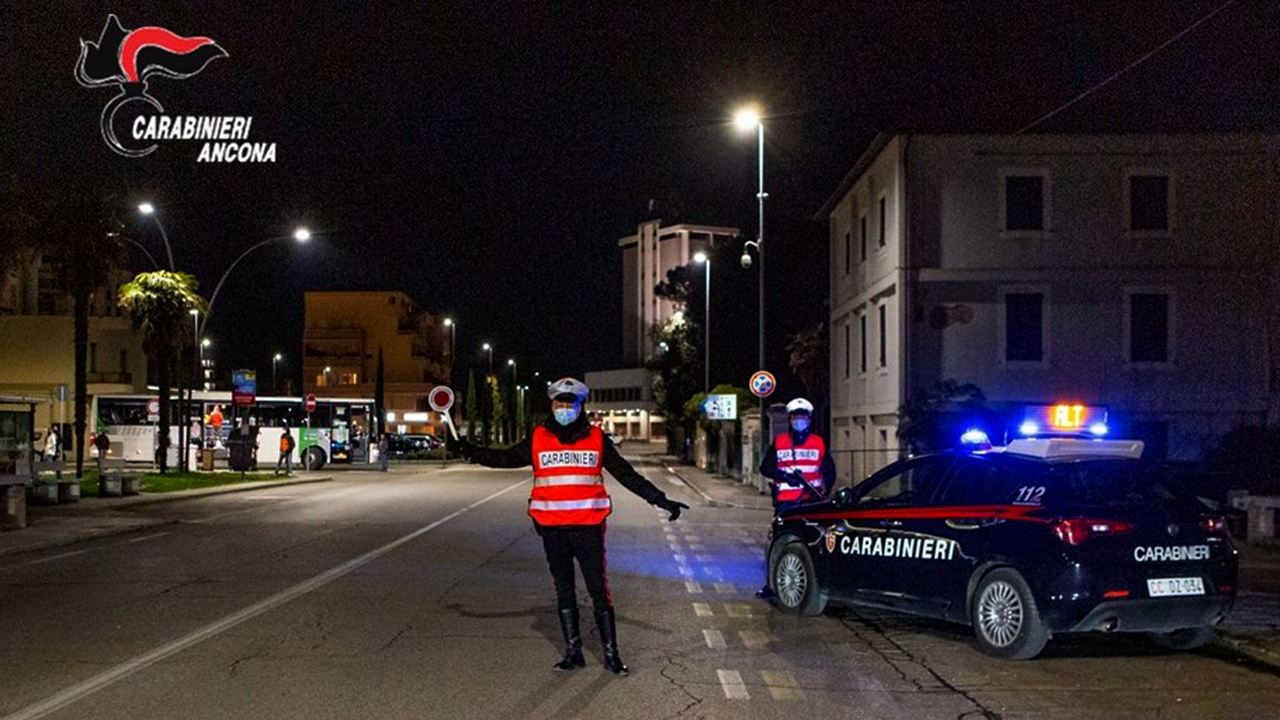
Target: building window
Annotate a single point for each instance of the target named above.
(884, 220)
(1149, 326)
(884, 334)
(1024, 327)
(1024, 202)
(348, 379)
(848, 251)
(1148, 199)
(848, 351)
(862, 340)
(863, 234)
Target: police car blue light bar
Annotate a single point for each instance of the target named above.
(974, 436)
(1029, 428)
(1098, 429)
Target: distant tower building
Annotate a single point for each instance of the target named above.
(646, 258)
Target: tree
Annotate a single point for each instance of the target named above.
(159, 303)
(932, 418)
(676, 377)
(379, 397)
(473, 406)
(808, 358)
(84, 245)
(497, 410)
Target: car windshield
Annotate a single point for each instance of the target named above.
(1111, 483)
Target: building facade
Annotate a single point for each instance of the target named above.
(622, 401)
(343, 334)
(37, 345)
(1134, 272)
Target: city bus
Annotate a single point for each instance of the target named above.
(337, 431)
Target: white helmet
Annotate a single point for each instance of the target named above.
(800, 405)
(569, 386)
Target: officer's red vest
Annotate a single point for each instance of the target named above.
(805, 458)
(568, 480)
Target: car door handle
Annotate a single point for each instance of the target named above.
(973, 523)
(890, 523)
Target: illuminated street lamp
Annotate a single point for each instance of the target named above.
(706, 323)
(275, 386)
(512, 363)
(746, 120)
(327, 370)
(489, 347)
(149, 210)
(453, 326)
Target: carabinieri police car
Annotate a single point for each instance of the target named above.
(1042, 536)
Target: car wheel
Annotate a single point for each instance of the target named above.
(313, 459)
(1184, 639)
(794, 582)
(1005, 619)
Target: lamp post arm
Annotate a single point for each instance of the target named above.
(144, 250)
(167, 247)
(209, 310)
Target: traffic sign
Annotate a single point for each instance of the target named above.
(721, 407)
(441, 398)
(311, 403)
(763, 384)
(153, 409)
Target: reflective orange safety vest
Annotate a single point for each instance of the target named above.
(568, 480)
(805, 458)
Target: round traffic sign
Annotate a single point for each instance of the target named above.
(441, 398)
(763, 384)
(311, 403)
(153, 406)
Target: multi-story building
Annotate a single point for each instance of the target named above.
(623, 399)
(343, 335)
(1136, 273)
(37, 351)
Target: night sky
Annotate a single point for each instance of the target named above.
(485, 158)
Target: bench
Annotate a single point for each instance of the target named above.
(13, 494)
(110, 477)
(46, 481)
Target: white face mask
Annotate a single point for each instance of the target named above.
(566, 416)
(800, 423)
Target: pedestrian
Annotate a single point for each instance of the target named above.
(384, 451)
(569, 504)
(287, 444)
(52, 444)
(798, 466)
(102, 444)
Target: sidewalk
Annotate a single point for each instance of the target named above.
(1252, 629)
(51, 526)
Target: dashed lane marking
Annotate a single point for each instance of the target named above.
(755, 639)
(724, 588)
(691, 538)
(731, 683)
(697, 546)
(703, 610)
(782, 685)
(738, 610)
(693, 587)
(715, 639)
(704, 558)
(681, 559)
(713, 574)
(675, 481)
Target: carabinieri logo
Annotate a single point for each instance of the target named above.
(128, 59)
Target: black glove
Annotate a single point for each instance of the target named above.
(461, 447)
(672, 507)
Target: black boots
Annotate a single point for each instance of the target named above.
(573, 659)
(609, 638)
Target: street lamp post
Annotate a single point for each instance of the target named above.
(512, 363)
(327, 370)
(453, 326)
(489, 347)
(204, 374)
(300, 235)
(747, 120)
(275, 386)
(706, 323)
(149, 210)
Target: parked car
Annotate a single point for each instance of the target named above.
(410, 444)
(1024, 542)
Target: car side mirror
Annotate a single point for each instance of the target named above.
(844, 496)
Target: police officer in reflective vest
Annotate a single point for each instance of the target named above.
(569, 505)
(797, 464)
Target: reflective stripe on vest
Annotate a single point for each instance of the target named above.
(550, 480)
(568, 480)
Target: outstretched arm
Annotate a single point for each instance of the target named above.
(624, 473)
(515, 456)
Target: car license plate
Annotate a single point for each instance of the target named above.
(1164, 587)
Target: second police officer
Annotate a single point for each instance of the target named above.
(569, 505)
(797, 464)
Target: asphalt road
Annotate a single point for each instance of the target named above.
(424, 593)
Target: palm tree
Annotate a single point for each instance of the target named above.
(82, 240)
(159, 303)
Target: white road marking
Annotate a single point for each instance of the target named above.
(691, 538)
(755, 639)
(702, 610)
(51, 558)
(693, 587)
(685, 570)
(703, 558)
(675, 481)
(738, 610)
(147, 537)
(73, 553)
(731, 683)
(782, 685)
(713, 573)
(697, 546)
(725, 588)
(715, 639)
(680, 559)
(125, 669)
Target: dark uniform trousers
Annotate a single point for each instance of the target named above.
(585, 543)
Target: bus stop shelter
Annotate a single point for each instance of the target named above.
(17, 452)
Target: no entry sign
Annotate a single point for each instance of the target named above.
(311, 403)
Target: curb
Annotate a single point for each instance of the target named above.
(1244, 645)
(178, 495)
